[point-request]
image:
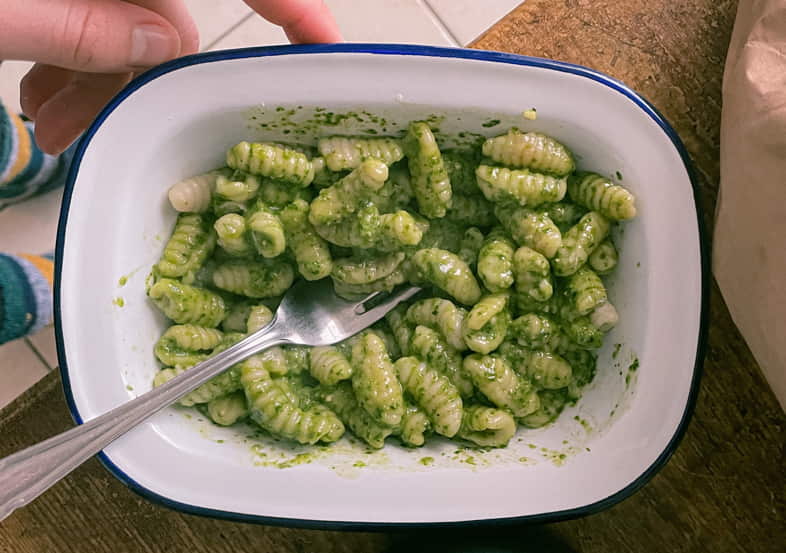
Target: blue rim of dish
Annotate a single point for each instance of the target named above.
(396, 50)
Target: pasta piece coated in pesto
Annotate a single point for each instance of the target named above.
(487, 323)
(552, 402)
(533, 274)
(536, 331)
(495, 261)
(366, 269)
(547, 370)
(430, 179)
(414, 426)
(328, 365)
(191, 243)
(236, 318)
(583, 333)
(342, 401)
(434, 393)
(368, 229)
(442, 315)
(401, 327)
(310, 250)
(266, 231)
(563, 214)
(598, 193)
(448, 272)
(337, 202)
(579, 242)
(428, 345)
(519, 186)
(604, 317)
(496, 380)
(359, 291)
(584, 292)
(186, 304)
(531, 150)
(227, 410)
(194, 194)
(486, 426)
(258, 317)
(277, 194)
(275, 411)
(530, 228)
(344, 152)
(273, 161)
(186, 345)
(603, 260)
(238, 186)
(232, 234)
(374, 380)
(471, 210)
(261, 279)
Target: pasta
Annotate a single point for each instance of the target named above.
(430, 179)
(599, 194)
(508, 241)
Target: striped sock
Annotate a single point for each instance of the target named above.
(24, 169)
(25, 294)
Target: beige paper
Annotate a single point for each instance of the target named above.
(750, 232)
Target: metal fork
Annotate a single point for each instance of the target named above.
(309, 315)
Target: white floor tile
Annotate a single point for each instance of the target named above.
(11, 72)
(254, 31)
(31, 226)
(20, 368)
(405, 21)
(43, 342)
(213, 18)
(468, 19)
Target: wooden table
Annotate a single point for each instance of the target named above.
(723, 490)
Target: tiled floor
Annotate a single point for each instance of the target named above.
(31, 226)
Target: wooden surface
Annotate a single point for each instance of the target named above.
(723, 490)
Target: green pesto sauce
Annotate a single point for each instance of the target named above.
(634, 365)
(120, 302)
(491, 123)
(583, 422)
(359, 464)
(616, 351)
(123, 280)
(129, 388)
(426, 461)
(619, 175)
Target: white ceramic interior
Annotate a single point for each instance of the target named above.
(180, 120)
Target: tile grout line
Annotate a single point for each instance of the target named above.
(441, 23)
(229, 31)
(38, 354)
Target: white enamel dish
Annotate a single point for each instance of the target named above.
(180, 118)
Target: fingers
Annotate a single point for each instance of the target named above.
(63, 117)
(40, 84)
(176, 12)
(106, 36)
(304, 21)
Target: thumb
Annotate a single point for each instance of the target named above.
(105, 36)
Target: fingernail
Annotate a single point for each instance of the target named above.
(150, 45)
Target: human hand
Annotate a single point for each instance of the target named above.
(87, 50)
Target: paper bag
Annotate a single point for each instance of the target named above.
(750, 231)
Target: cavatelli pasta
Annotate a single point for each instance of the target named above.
(254, 279)
(486, 325)
(579, 242)
(238, 187)
(604, 317)
(232, 235)
(531, 228)
(552, 402)
(401, 327)
(598, 193)
(603, 260)
(274, 410)
(584, 291)
(536, 331)
(191, 243)
(530, 150)
(533, 274)
(343, 402)
(374, 380)
(583, 333)
(563, 214)
(366, 269)
(430, 179)
(310, 250)
(337, 202)
(236, 318)
(431, 347)
(266, 231)
(486, 426)
(495, 261)
(328, 365)
(414, 426)
(218, 386)
(448, 272)
(227, 410)
(194, 194)
(258, 317)
(186, 304)
(186, 345)
(434, 392)
(442, 315)
(273, 161)
(547, 370)
(503, 387)
(520, 186)
(343, 152)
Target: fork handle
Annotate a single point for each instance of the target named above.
(28, 473)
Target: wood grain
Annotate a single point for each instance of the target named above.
(724, 490)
